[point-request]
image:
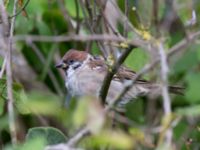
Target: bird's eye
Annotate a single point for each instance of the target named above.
(70, 61)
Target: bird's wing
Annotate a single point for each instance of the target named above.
(125, 73)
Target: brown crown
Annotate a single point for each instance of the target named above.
(75, 55)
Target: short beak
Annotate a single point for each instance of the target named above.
(61, 65)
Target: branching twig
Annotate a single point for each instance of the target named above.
(108, 78)
(22, 9)
(179, 46)
(106, 19)
(17, 13)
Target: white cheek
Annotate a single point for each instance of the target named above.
(69, 72)
(70, 81)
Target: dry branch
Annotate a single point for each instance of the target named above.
(83, 38)
(11, 114)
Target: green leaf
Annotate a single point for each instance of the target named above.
(2, 103)
(55, 20)
(136, 114)
(190, 111)
(192, 93)
(38, 103)
(48, 63)
(81, 113)
(178, 130)
(137, 59)
(187, 61)
(115, 139)
(17, 89)
(133, 12)
(4, 122)
(32, 144)
(89, 111)
(51, 135)
(71, 7)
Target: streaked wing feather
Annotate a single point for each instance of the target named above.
(123, 73)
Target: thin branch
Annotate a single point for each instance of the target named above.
(61, 147)
(22, 9)
(72, 142)
(124, 18)
(17, 13)
(61, 4)
(176, 48)
(3, 67)
(155, 19)
(164, 78)
(77, 17)
(89, 22)
(108, 78)
(102, 8)
(80, 135)
(91, 29)
(165, 92)
(126, 13)
(11, 114)
(103, 93)
(83, 38)
(50, 73)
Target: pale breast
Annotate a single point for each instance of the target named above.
(88, 81)
(84, 81)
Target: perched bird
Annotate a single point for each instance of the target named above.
(85, 74)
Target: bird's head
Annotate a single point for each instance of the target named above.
(73, 59)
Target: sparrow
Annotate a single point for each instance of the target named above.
(84, 75)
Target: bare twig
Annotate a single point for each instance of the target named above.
(77, 17)
(22, 9)
(76, 138)
(91, 29)
(17, 13)
(61, 147)
(126, 13)
(72, 142)
(164, 78)
(11, 113)
(178, 47)
(193, 19)
(90, 22)
(42, 59)
(155, 15)
(124, 19)
(102, 8)
(83, 38)
(108, 78)
(3, 68)
(61, 4)
(165, 92)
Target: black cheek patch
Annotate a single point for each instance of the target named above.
(77, 66)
